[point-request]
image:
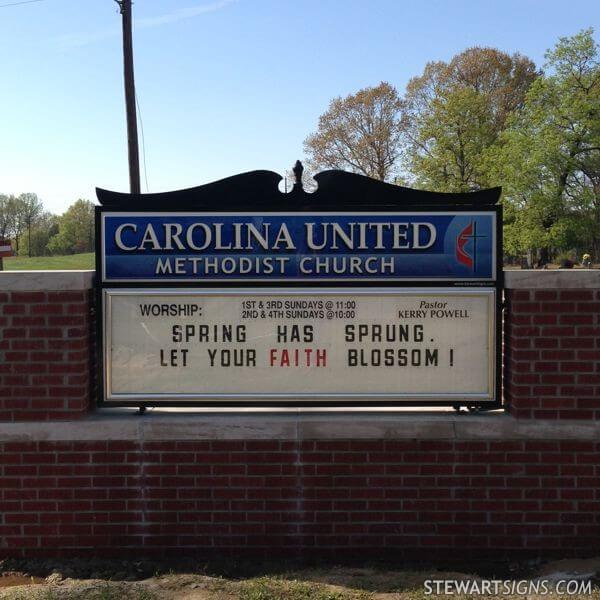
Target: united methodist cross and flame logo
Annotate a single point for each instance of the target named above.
(463, 255)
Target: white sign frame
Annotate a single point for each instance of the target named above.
(297, 399)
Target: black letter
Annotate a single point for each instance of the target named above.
(177, 337)
(352, 358)
(349, 333)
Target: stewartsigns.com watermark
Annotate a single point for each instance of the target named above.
(495, 587)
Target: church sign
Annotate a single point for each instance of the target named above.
(194, 247)
(361, 293)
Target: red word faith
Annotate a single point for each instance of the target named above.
(306, 357)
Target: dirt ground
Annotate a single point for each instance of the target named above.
(145, 580)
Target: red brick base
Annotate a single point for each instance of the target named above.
(553, 363)
(469, 487)
(45, 355)
(412, 499)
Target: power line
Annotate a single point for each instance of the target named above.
(139, 112)
(19, 3)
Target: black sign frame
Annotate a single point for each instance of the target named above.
(338, 191)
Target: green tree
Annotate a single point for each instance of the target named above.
(359, 133)
(6, 217)
(36, 244)
(15, 211)
(454, 112)
(30, 208)
(75, 230)
(451, 142)
(549, 162)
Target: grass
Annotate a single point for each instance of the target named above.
(275, 588)
(104, 592)
(41, 263)
(325, 584)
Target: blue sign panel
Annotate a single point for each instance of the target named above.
(304, 247)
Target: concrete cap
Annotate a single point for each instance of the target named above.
(39, 281)
(123, 424)
(552, 279)
(513, 279)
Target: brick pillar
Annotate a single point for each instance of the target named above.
(46, 351)
(553, 341)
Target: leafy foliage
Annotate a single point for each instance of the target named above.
(450, 144)
(31, 209)
(454, 113)
(44, 228)
(549, 159)
(75, 230)
(359, 133)
(46, 234)
(487, 118)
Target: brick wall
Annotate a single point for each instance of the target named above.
(413, 498)
(374, 485)
(551, 363)
(46, 354)
(553, 366)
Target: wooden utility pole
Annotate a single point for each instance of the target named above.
(132, 135)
